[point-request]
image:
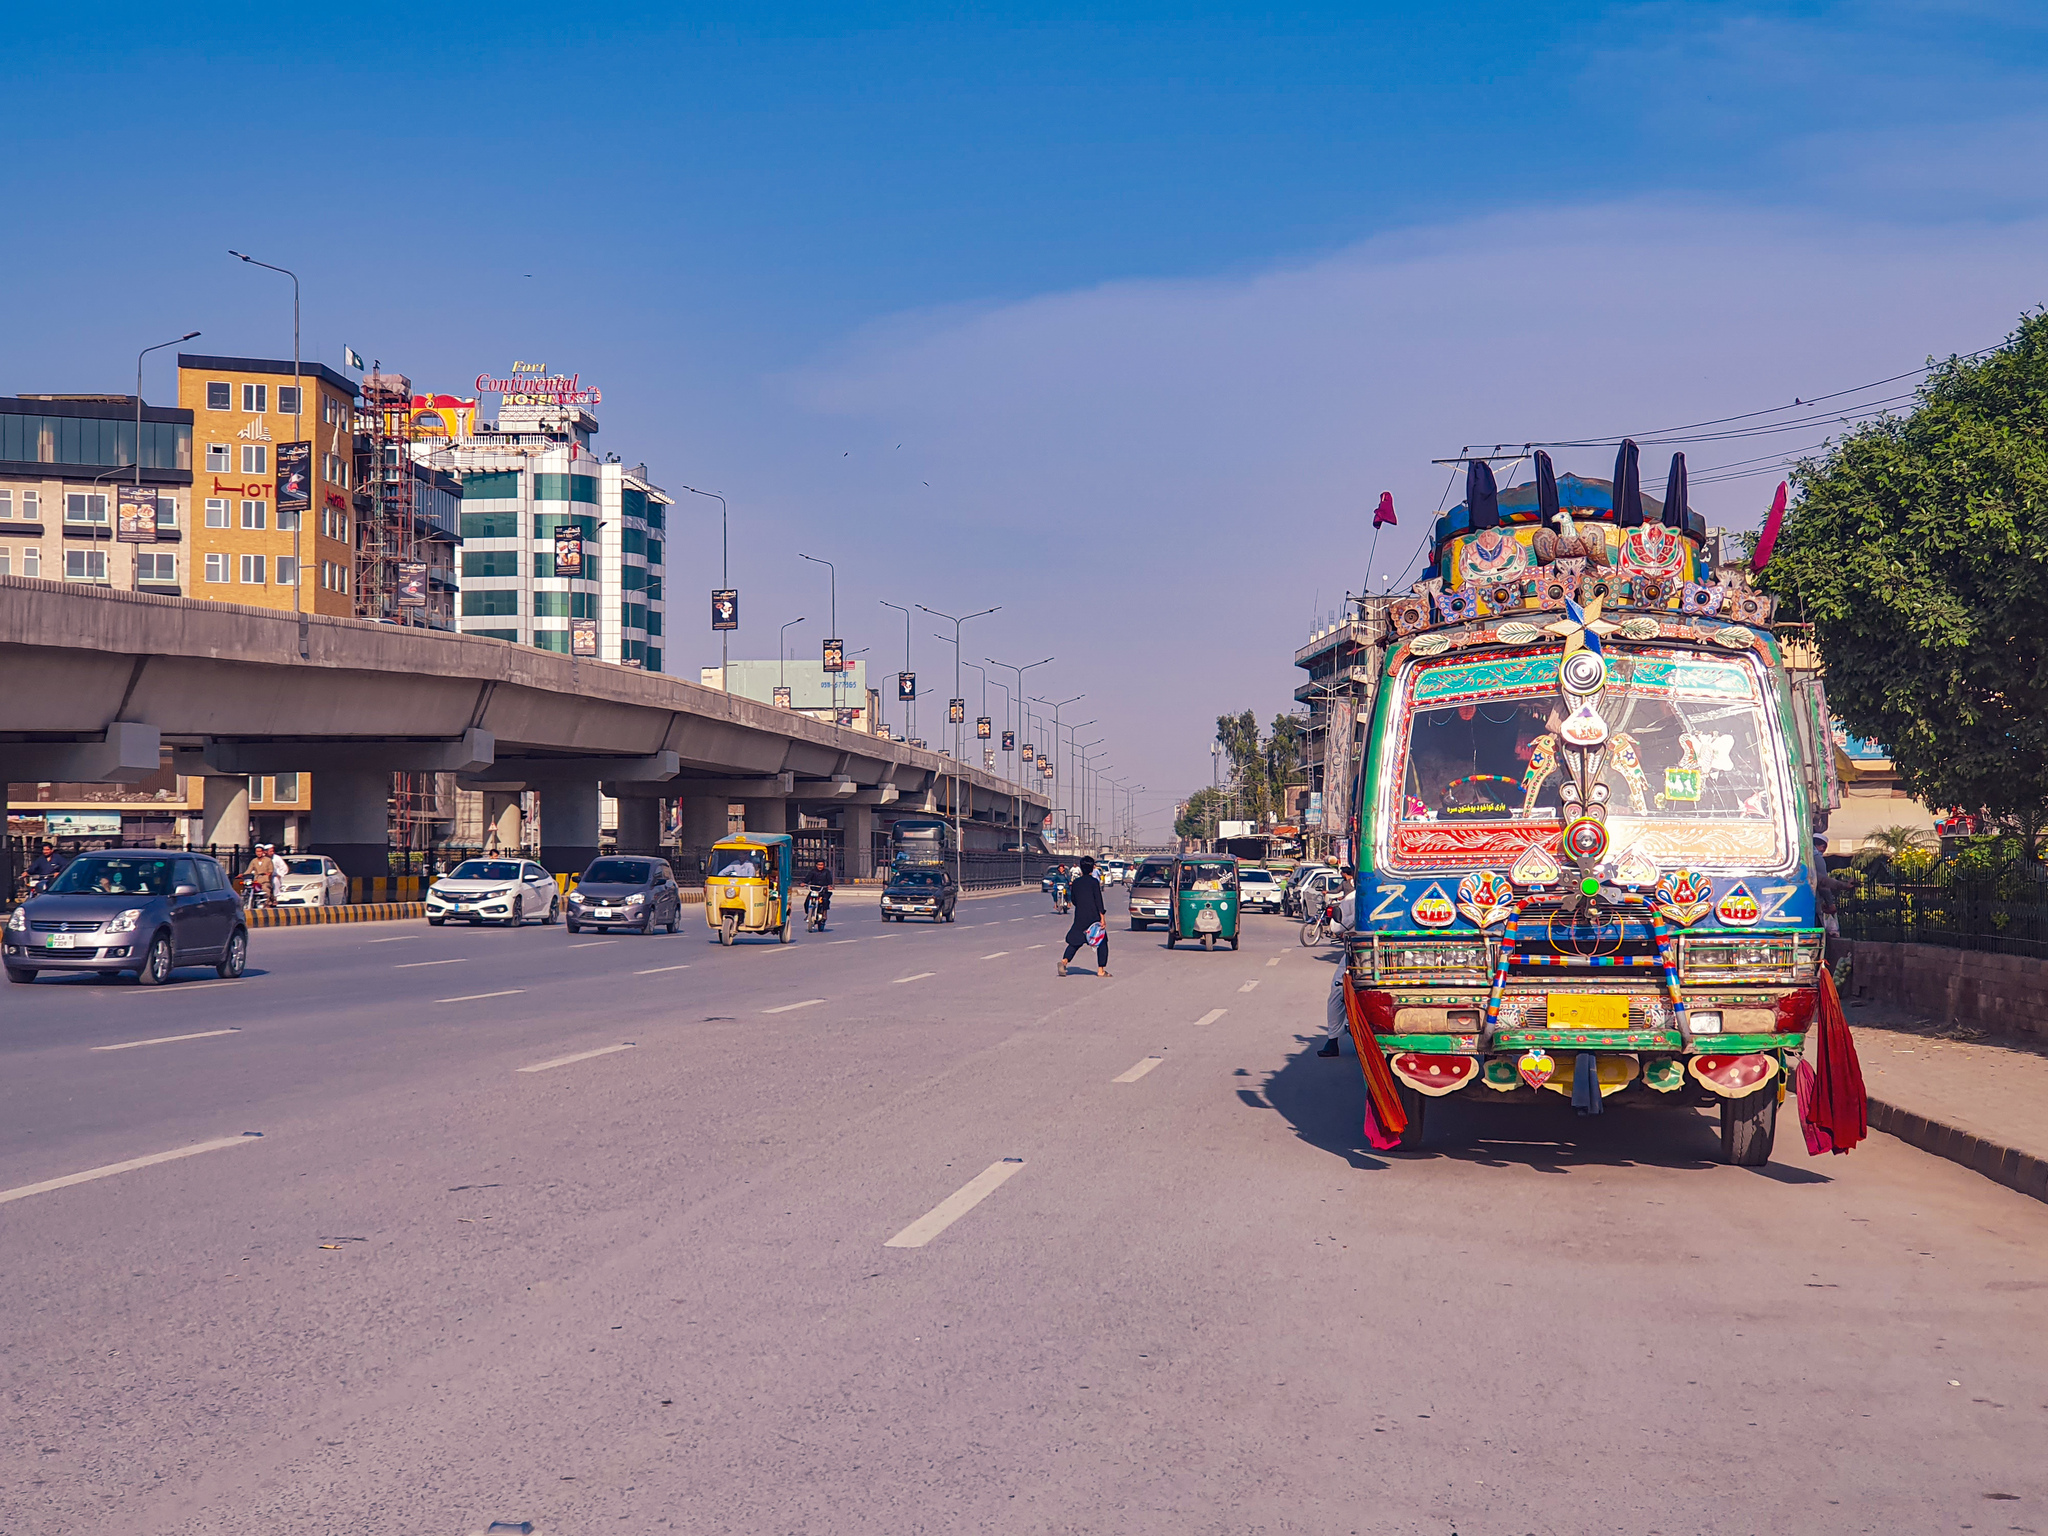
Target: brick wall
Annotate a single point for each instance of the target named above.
(2002, 992)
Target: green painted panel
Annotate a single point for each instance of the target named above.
(490, 484)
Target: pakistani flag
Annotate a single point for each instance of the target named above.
(351, 358)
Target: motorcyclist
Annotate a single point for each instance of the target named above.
(45, 866)
(1059, 888)
(818, 904)
(261, 875)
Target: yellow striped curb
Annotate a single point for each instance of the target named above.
(360, 912)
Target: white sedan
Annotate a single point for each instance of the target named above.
(1256, 888)
(310, 880)
(507, 891)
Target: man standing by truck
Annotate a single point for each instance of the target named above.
(1085, 893)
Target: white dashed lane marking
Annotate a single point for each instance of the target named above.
(920, 976)
(1211, 1016)
(477, 997)
(563, 1061)
(957, 1204)
(129, 1045)
(108, 1170)
(1139, 1070)
(809, 1002)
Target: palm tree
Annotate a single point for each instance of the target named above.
(1891, 847)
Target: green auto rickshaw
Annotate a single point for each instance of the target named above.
(746, 885)
(1204, 899)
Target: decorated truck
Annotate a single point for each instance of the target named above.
(1586, 861)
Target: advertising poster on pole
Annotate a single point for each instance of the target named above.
(294, 483)
(835, 655)
(412, 584)
(135, 515)
(1009, 741)
(782, 698)
(956, 711)
(984, 727)
(583, 638)
(569, 551)
(906, 687)
(725, 609)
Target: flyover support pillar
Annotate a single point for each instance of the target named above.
(568, 824)
(224, 811)
(351, 817)
(700, 820)
(639, 824)
(767, 815)
(857, 837)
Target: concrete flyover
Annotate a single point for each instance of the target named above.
(94, 682)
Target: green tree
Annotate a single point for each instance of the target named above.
(1246, 754)
(1918, 551)
(1283, 763)
(1200, 813)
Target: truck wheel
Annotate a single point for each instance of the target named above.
(1749, 1125)
(1415, 1106)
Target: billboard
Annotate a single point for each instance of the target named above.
(412, 584)
(583, 637)
(835, 655)
(956, 711)
(294, 482)
(983, 727)
(135, 515)
(1009, 741)
(569, 551)
(906, 687)
(725, 608)
(782, 698)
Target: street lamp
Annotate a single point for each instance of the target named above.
(1081, 763)
(1017, 772)
(782, 653)
(909, 705)
(724, 579)
(189, 335)
(298, 406)
(1056, 708)
(958, 749)
(834, 570)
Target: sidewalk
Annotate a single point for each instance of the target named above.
(1960, 1092)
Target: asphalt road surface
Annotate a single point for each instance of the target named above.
(643, 1234)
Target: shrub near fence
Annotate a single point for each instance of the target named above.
(1958, 915)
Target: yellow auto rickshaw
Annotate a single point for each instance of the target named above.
(746, 885)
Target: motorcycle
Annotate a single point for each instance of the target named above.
(817, 907)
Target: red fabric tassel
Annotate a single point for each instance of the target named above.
(1817, 1140)
(1374, 1135)
(1835, 1107)
(1383, 1098)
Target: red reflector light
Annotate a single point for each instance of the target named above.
(1379, 1012)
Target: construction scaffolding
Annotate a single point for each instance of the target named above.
(386, 526)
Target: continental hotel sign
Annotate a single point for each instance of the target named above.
(532, 384)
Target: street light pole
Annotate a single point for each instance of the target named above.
(909, 705)
(835, 635)
(958, 748)
(1081, 759)
(782, 653)
(136, 580)
(1056, 708)
(298, 406)
(724, 580)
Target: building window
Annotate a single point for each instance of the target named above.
(284, 789)
(85, 565)
(217, 568)
(32, 506)
(653, 623)
(255, 514)
(334, 469)
(252, 570)
(85, 507)
(217, 512)
(6, 561)
(220, 458)
(287, 399)
(218, 397)
(330, 409)
(288, 520)
(494, 634)
(654, 551)
(31, 561)
(6, 503)
(495, 562)
(287, 571)
(565, 605)
(490, 525)
(255, 459)
(167, 512)
(490, 485)
(490, 604)
(159, 568)
(255, 398)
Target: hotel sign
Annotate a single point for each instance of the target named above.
(532, 384)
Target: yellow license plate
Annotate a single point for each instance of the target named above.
(1581, 1010)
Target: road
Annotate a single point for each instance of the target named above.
(698, 1276)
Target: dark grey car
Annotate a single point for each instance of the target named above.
(920, 891)
(618, 892)
(142, 911)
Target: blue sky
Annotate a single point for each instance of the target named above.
(1155, 301)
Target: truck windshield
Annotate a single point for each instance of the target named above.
(1691, 765)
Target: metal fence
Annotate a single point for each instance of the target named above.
(1958, 915)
